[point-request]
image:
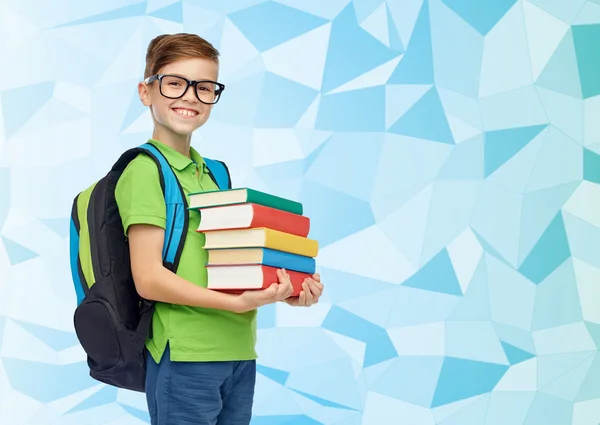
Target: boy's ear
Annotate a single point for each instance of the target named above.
(144, 94)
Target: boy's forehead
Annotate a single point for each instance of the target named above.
(193, 68)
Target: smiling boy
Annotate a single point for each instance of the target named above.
(201, 356)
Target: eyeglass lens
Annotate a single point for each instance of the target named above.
(174, 87)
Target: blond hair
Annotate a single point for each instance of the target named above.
(168, 48)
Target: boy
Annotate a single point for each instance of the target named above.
(201, 356)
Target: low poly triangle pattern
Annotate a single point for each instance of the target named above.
(446, 151)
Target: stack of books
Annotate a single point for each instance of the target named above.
(249, 235)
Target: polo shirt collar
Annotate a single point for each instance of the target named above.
(178, 160)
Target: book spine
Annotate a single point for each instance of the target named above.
(285, 260)
(269, 276)
(282, 221)
(293, 244)
(261, 198)
(297, 278)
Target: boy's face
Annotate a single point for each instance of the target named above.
(184, 115)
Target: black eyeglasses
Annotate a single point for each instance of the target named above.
(174, 87)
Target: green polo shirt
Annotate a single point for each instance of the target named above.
(193, 334)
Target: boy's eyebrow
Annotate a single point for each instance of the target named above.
(183, 76)
(175, 74)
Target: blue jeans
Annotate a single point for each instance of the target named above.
(200, 393)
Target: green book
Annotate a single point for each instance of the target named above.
(242, 195)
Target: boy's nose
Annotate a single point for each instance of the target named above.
(190, 94)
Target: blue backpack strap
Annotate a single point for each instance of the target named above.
(176, 203)
(219, 173)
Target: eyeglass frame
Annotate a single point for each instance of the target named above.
(193, 83)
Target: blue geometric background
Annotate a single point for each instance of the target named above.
(447, 151)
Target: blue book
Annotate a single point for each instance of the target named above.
(264, 256)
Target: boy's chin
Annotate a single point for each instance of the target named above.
(183, 131)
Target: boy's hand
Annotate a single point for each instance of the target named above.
(312, 288)
(249, 300)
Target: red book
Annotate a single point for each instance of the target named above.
(250, 277)
(249, 215)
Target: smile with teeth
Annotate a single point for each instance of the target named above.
(185, 112)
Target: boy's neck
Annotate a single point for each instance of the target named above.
(180, 143)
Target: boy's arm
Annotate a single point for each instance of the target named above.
(141, 206)
(155, 282)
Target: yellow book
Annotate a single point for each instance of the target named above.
(263, 238)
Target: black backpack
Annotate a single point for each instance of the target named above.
(112, 322)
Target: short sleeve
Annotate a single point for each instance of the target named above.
(139, 196)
